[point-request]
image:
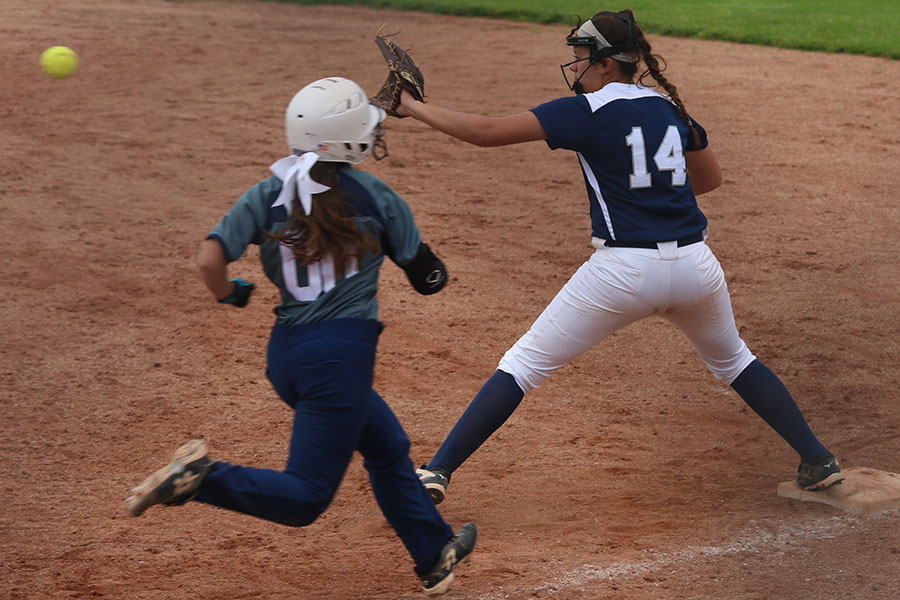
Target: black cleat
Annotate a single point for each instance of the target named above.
(457, 550)
(176, 483)
(820, 474)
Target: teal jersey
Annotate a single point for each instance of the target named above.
(315, 292)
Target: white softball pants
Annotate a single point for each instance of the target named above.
(618, 286)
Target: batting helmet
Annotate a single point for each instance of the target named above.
(334, 118)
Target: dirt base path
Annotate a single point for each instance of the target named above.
(630, 474)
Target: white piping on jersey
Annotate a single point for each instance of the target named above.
(620, 91)
(592, 180)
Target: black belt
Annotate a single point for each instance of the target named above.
(686, 241)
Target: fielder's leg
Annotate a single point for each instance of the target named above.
(595, 303)
(704, 313)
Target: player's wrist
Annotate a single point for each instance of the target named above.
(407, 104)
(240, 293)
(230, 292)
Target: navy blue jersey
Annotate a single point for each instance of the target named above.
(630, 141)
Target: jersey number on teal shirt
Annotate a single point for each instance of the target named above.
(319, 278)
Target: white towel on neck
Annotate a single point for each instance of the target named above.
(293, 171)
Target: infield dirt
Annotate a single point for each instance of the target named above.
(632, 473)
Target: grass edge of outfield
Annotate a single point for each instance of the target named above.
(832, 26)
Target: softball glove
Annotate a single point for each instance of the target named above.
(403, 75)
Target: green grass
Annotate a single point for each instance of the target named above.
(855, 26)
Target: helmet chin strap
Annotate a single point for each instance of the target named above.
(379, 147)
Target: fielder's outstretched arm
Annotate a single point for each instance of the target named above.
(475, 129)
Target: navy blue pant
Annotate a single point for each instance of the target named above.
(323, 370)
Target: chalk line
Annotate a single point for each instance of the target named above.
(751, 540)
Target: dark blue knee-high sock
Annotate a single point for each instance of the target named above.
(763, 391)
(491, 407)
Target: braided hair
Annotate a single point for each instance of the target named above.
(616, 28)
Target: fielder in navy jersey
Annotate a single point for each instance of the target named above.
(644, 161)
(323, 229)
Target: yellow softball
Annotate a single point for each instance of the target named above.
(59, 62)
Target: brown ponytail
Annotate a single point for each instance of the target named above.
(615, 30)
(329, 229)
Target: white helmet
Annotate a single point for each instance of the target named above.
(334, 118)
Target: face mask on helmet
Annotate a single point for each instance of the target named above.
(587, 34)
(334, 118)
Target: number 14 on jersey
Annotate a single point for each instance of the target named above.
(668, 157)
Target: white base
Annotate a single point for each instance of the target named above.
(866, 491)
